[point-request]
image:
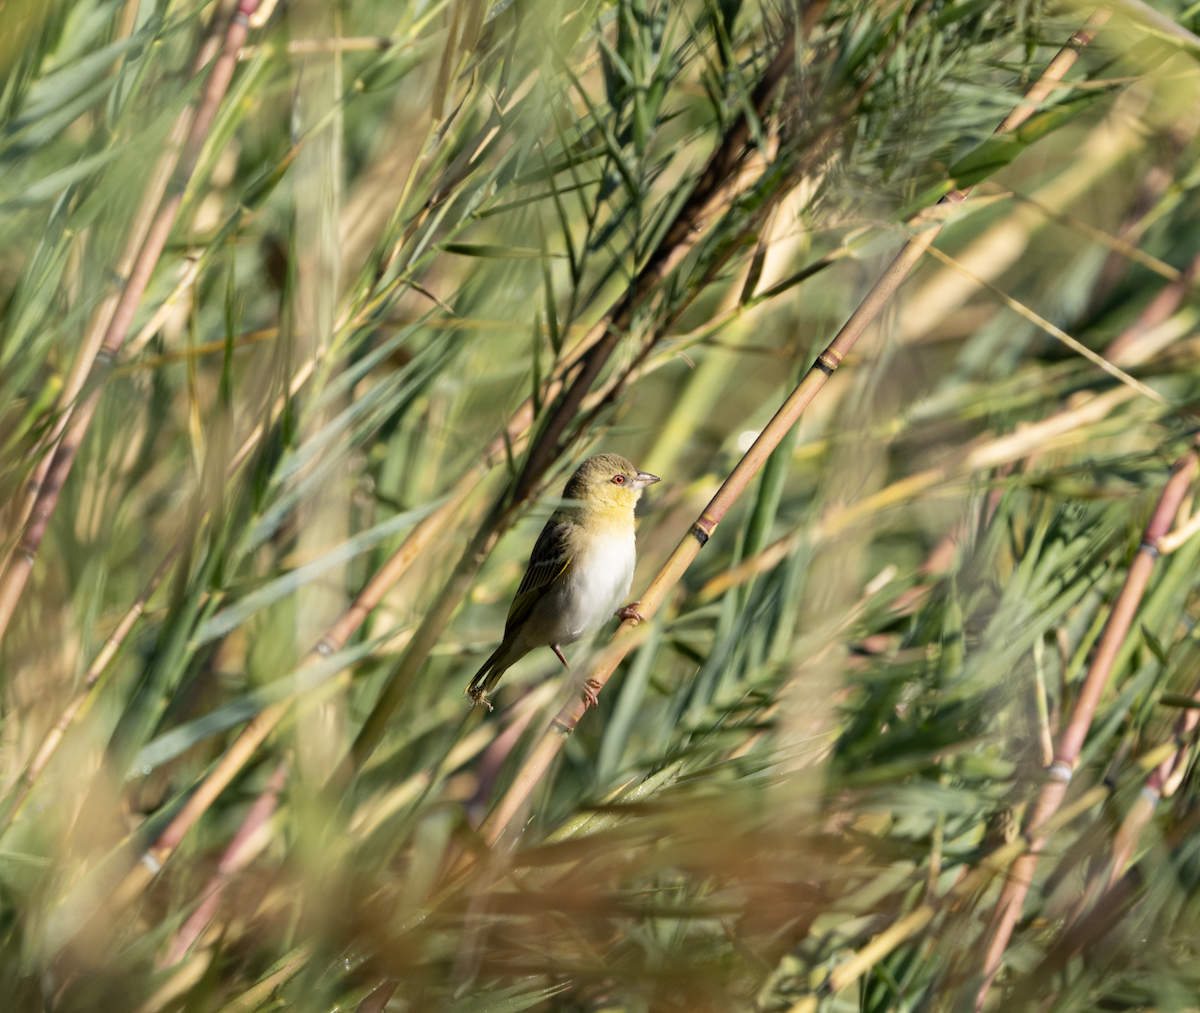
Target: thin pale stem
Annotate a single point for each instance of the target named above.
(1176, 539)
(1054, 330)
(1127, 250)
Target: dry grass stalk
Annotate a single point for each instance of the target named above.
(656, 594)
(1053, 330)
(994, 252)
(1114, 243)
(1008, 908)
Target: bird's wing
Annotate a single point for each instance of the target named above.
(550, 560)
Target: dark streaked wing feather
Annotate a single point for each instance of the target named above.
(547, 564)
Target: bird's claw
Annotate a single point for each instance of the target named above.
(630, 611)
(479, 698)
(590, 689)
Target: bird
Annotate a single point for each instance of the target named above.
(580, 570)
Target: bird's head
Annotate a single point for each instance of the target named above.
(608, 480)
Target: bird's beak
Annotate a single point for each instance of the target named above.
(644, 478)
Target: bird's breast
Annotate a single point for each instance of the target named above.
(600, 581)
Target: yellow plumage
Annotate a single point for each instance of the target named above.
(580, 570)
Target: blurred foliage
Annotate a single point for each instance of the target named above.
(846, 706)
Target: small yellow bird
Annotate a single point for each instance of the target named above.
(580, 571)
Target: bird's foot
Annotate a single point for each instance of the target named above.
(590, 689)
(479, 698)
(558, 650)
(630, 611)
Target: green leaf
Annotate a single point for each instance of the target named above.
(61, 86)
(1178, 700)
(1155, 645)
(496, 252)
(1001, 149)
(231, 618)
(166, 747)
(52, 185)
(506, 1000)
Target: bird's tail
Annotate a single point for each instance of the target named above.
(488, 676)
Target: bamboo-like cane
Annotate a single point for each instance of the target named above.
(1115, 905)
(850, 970)
(715, 189)
(1006, 449)
(853, 968)
(709, 193)
(1020, 876)
(256, 732)
(564, 723)
(54, 474)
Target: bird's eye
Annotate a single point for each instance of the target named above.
(618, 479)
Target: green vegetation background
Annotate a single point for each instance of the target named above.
(406, 215)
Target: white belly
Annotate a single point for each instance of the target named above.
(598, 585)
